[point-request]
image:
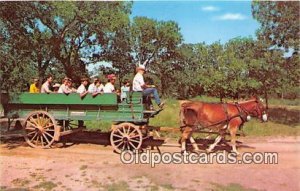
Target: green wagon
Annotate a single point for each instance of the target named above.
(48, 117)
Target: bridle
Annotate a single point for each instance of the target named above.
(257, 111)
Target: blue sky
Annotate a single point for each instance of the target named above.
(203, 21)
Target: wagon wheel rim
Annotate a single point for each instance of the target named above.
(39, 129)
(126, 136)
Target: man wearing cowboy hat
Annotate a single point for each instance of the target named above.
(139, 85)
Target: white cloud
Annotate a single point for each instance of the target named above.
(209, 8)
(231, 16)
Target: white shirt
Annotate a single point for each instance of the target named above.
(81, 89)
(92, 88)
(45, 87)
(138, 82)
(100, 88)
(109, 88)
(124, 90)
(64, 89)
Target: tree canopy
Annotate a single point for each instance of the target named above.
(64, 38)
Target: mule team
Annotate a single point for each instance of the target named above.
(219, 117)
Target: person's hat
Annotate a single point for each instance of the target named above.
(56, 85)
(141, 67)
(35, 80)
(111, 77)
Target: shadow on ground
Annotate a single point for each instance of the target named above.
(284, 116)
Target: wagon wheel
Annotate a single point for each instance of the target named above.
(40, 129)
(126, 136)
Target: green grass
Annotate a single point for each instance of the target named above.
(47, 186)
(230, 187)
(119, 186)
(282, 121)
(285, 102)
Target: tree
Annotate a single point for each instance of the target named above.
(62, 33)
(279, 23)
(155, 45)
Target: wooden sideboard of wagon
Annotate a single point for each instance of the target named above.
(48, 117)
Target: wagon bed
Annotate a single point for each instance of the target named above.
(47, 117)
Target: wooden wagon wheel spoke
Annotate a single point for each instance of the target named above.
(128, 130)
(49, 134)
(124, 130)
(46, 138)
(115, 135)
(134, 147)
(34, 137)
(37, 139)
(33, 120)
(31, 133)
(119, 144)
(48, 126)
(30, 128)
(120, 132)
(118, 140)
(124, 145)
(40, 129)
(135, 136)
(47, 121)
(132, 132)
(126, 136)
(42, 141)
(28, 122)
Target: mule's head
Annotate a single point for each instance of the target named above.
(260, 110)
(255, 108)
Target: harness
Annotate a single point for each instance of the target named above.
(242, 115)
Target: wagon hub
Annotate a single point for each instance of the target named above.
(125, 139)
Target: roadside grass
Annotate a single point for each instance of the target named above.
(46, 185)
(230, 187)
(282, 121)
(119, 186)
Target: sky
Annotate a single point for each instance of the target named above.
(203, 21)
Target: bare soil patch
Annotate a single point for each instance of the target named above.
(96, 167)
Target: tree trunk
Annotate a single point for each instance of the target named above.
(266, 97)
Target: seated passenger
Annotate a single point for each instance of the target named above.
(82, 88)
(56, 87)
(99, 86)
(34, 86)
(139, 85)
(94, 88)
(70, 86)
(47, 85)
(64, 88)
(109, 86)
(125, 89)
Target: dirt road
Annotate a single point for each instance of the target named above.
(95, 167)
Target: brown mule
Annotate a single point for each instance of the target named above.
(218, 117)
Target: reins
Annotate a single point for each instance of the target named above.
(227, 120)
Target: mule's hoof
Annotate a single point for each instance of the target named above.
(208, 150)
(184, 152)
